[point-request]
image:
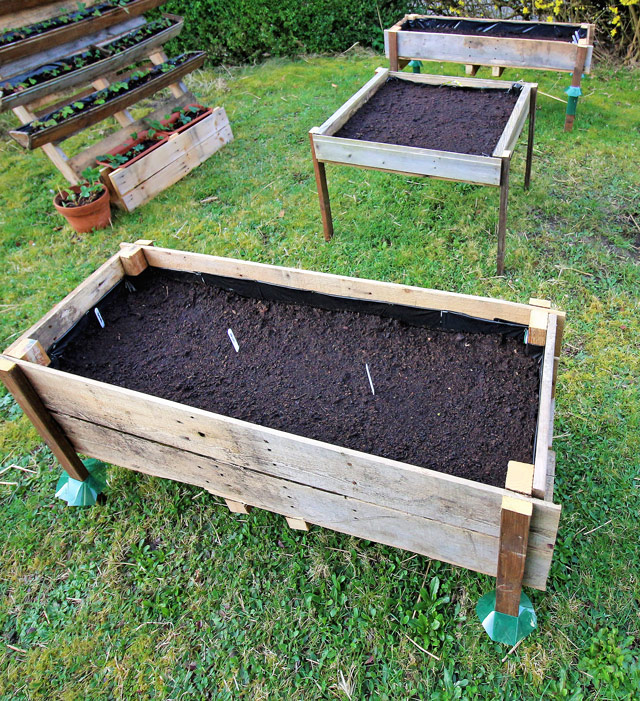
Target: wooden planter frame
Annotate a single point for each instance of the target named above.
(87, 74)
(456, 520)
(408, 160)
(475, 50)
(133, 185)
(36, 44)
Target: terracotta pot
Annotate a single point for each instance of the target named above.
(130, 143)
(86, 217)
(171, 121)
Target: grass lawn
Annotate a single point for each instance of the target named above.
(161, 593)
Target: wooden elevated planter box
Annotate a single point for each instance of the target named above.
(424, 511)
(132, 185)
(490, 170)
(86, 74)
(93, 115)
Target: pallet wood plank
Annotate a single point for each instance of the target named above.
(544, 436)
(361, 519)
(514, 535)
(515, 123)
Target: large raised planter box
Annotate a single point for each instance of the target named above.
(133, 185)
(459, 521)
(491, 169)
(475, 42)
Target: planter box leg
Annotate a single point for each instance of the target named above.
(471, 69)
(502, 221)
(532, 127)
(82, 482)
(574, 91)
(497, 71)
(323, 194)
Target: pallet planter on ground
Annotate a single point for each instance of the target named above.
(89, 110)
(552, 46)
(428, 510)
(138, 181)
(387, 124)
(89, 64)
(31, 39)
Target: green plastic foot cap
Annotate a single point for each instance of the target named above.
(415, 66)
(501, 627)
(83, 493)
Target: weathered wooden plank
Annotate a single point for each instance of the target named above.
(353, 104)
(488, 50)
(18, 13)
(456, 81)
(513, 127)
(408, 160)
(409, 488)
(543, 437)
(126, 179)
(514, 537)
(458, 546)
(341, 286)
(177, 169)
(93, 115)
(64, 315)
(89, 73)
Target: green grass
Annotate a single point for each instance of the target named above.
(161, 593)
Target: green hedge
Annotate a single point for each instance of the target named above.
(236, 32)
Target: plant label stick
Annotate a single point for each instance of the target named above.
(99, 317)
(233, 340)
(370, 380)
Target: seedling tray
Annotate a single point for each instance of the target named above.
(489, 169)
(454, 519)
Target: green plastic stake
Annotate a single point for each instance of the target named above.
(415, 66)
(574, 93)
(501, 627)
(83, 493)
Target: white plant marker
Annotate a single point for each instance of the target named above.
(99, 317)
(232, 338)
(370, 380)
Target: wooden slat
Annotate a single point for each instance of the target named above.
(237, 507)
(514, 536)
(340, 285)
(551, 476)
(87, 158)
(513, 127)
(91, 25)
(543, 439)
(488, 51)
(341, 116)
(16, 13)
(456, 81)
(126, 179)
(64, 315)
(177, 169)
(455, 545)
(96, 114)
(89, 73)
(408, 160)
(297, 524)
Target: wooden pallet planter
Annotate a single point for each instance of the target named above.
(137, 183)
(424, 511)
(40, 42)
(97, 113)
(477, 49)
(407, 160)
(86, 74)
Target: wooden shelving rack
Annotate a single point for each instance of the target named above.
(31, 53)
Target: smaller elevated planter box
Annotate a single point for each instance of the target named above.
(475, 42)
(428, 511)
(145, 177)
(482, 165)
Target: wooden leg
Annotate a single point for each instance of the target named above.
(576, 79)
(393, 50)
(497, 71)
(502, 221)
(323, 194)
(532, 128)
(29, 401)
(514, 536)
(471, 69)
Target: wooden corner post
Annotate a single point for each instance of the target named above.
(504, 200)
(532, 127)
(392, 34)
(50, 432)
(574, 91)
(323, 192)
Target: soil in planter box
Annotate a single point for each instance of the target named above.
(440, 117)
(512, 30)
(461, 403)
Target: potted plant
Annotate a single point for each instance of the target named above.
(85, 206)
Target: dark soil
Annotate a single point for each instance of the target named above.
(460, 403)
(492, 28)
(440, 117)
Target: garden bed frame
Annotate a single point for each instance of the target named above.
(475, 50)
(506, 533)
(408, 160)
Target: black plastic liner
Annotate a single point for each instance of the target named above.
(415, 316)
(524, 30)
